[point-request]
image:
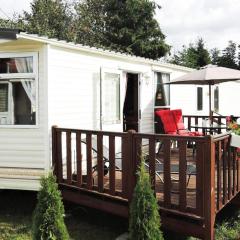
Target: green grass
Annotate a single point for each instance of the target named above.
(16, 209)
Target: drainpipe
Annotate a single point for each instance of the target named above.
(100, 82)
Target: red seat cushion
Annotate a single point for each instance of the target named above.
(167, 121)
(177, 116)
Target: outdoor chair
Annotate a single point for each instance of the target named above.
(181, 130)
(174, 127)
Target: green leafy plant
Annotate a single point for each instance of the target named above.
(144, 214)
(48, 222)
(235, 128)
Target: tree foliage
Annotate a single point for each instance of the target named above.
(144, 215)
(126, 26)
(48, 222)
(193, 55)
(50, 18)
(228, 57)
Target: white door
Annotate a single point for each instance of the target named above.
(112, 94)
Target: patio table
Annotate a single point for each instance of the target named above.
(209, 128)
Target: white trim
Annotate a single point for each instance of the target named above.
(71, 45)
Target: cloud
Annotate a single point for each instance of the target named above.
(216, 21)
(9, 7)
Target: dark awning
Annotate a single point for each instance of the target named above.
(9, 33)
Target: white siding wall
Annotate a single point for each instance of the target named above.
(229, 98)
(74, 88)
(23, 151)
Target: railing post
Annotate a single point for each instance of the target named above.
(54, 150)
(209, 189)
(132, 152)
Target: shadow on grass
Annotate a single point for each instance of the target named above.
(16, 209)
(83, 223)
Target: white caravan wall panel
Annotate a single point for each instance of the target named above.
(24, 148)
(74, 80)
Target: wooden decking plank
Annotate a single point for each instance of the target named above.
(79, 158)
(112, 166)
(89, 160)
(224, 157)
(69, 157)
(199, 177)
(100, 165)
(59, 157)
(152, 162)
(182, 175)
(219, 175)
(167, 173)
(124, 168)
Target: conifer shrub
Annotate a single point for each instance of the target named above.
(48, 222)
(144, 223)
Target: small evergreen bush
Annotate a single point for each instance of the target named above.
(48, 222)
(144, 215)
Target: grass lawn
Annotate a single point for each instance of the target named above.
(16, 208)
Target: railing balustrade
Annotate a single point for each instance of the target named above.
(192, 177)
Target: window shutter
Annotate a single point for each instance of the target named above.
(3, 97)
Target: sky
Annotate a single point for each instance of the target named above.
(182, 21)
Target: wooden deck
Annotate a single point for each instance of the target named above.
(98, 169)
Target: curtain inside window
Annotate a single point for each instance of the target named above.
(111, 97)
(25, 65)
(162, 90)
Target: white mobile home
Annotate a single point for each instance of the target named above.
(45, 82)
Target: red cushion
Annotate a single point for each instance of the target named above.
(167, 121)
(177, 116)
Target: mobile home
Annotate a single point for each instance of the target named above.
(45, 82)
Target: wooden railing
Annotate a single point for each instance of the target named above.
(105, 163)
(191, 120)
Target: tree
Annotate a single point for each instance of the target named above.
(51, 18)
(193, 55)
(229, 56)
(144, 215)
(126, 26)
(215, 56)
(48, 222)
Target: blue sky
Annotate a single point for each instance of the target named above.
(182, 21)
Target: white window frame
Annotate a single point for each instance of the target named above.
(11, 77)
(117, 72)
(155, 72)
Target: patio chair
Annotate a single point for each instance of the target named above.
(181, 130)
(170, 127)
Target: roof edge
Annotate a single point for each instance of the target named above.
(80, 47)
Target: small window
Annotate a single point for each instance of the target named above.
(16, 65)
(216, 99)
(199, 98)
(111, 98)
(162, 95)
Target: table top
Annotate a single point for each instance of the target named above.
(209, 126)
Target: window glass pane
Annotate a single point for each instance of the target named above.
(216, 99)
(22, 97)
(3, 97)
(24, 102)
(199, 98)
(16, 65)
(111, 97)
(162, 97)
